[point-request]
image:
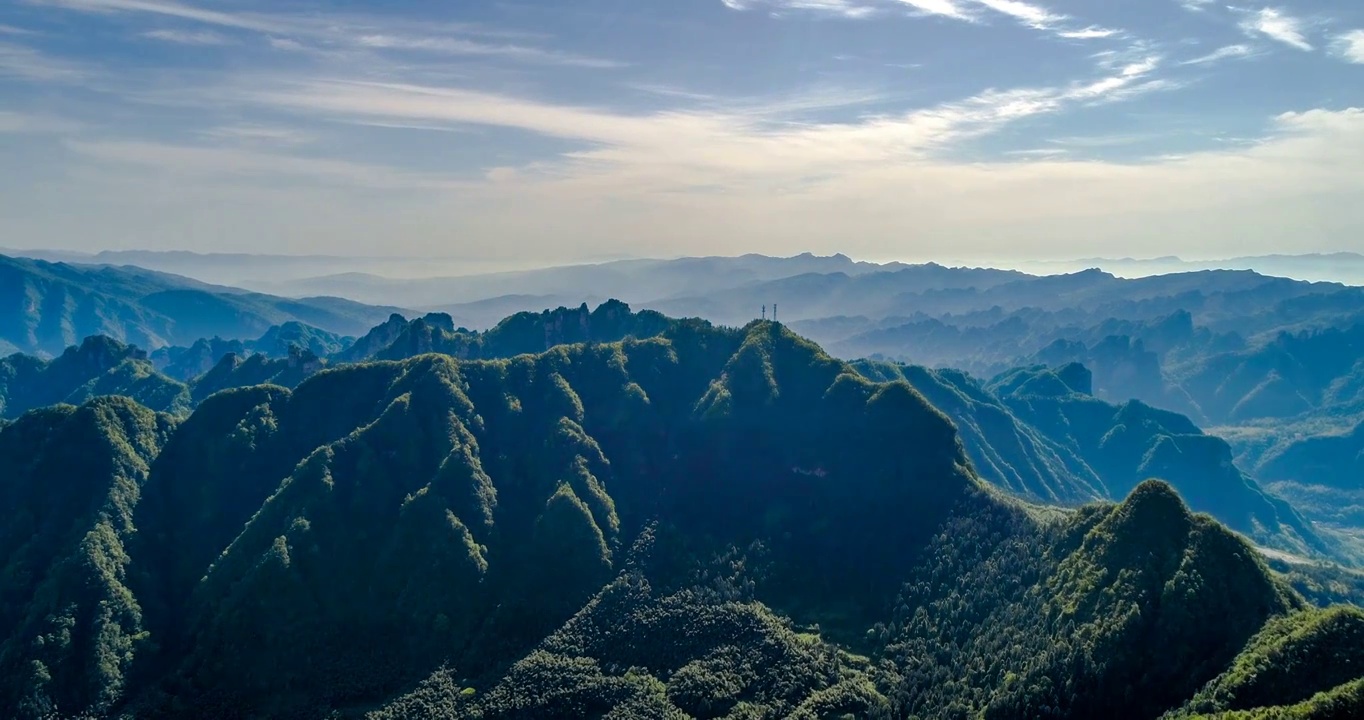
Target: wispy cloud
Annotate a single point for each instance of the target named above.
(247, 163)
(1129, 81)
(713, 147)
(725, 147)
(188, 37)
(458, 46)
(1093, 32)
(300, 31)
(1276, 25)
(286, 44)
(945, 8)
(1196, 5)
(171, 9)
(259, 134)
(26, 63)
(12, 30)
(1351, 46)
(1033, 16)
(842, 8)
(594, 157)
(1102, 141)
(1038, 152)
(32, 124)
(668, 91)
(1222, 53)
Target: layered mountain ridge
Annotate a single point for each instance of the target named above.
(1037, 432)
(47, 307)
(704, 523)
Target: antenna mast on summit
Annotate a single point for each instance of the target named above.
(774, 312)
(765, 312)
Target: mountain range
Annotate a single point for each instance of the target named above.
(249, 269)
(704, 523)
(47, 307)
(1346, 267)
(1243, 354)
(280, 273)
(1168, 340)
(212, 505)
(1036, 432)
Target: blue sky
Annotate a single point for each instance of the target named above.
(537, 131)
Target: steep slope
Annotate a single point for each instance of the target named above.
(45, 307)
(98, 366)
(1039, 433)
(1288, 374)
(280, 339)
(1128, 443)
(1126, 369)
(287, 354)
(1335, 461)
(519, 334)
(1004, 449)
(379, 337)
(69, 481)
(1307, 665)
(186, 363)
(706, 523)
(1158, 596)
(1319, 468)
(706, 650)
(556, 431)
(235, 371)
(1138, 605)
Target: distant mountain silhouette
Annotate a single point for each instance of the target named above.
(46, 307)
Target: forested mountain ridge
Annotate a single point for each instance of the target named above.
(288, 354)
(1335, 460)
(1039, 433)
(706, 523)
(1036, 432)
(1219, 346)
(98, 366)
(280, 341)
(46, 307)
(525, 332)
(71, 480)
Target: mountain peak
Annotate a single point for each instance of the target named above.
(1155, 503)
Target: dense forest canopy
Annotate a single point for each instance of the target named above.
(664, 518)
(1038, 432)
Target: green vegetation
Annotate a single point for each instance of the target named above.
(236, 371)
(1331, 460)
(71, 480)
(1323, 584)
(1004, 449)
(701, 523)
(519, 334)
(279, 342)
(1317, 465)
(1306, 665)
(1040, 434)
(99, 366)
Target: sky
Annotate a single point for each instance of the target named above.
(540, 131)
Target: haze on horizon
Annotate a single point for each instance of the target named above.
(989, 132)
